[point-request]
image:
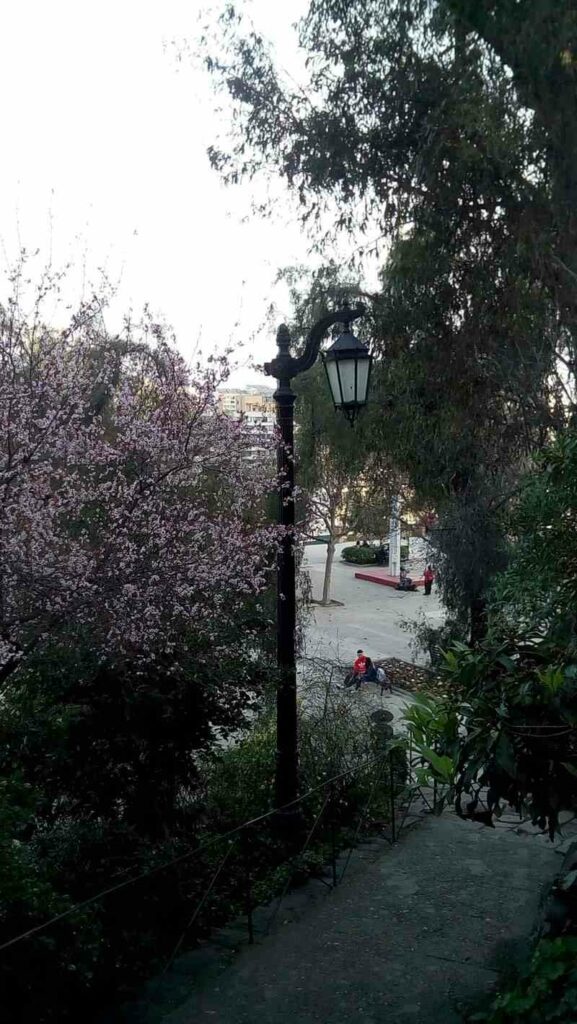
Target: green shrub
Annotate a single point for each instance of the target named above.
(431, 639)
(516, 704)
(54, 853)
(99, 781)
(518, 709)
(366, 554)
(65, 957)
(240, 780)
(359, 555)
(240, 786)
(546, 990)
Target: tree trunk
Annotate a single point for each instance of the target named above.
(478, 621)
(328, 572)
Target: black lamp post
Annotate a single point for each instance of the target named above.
(347, 365)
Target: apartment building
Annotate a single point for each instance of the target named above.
(256, 407)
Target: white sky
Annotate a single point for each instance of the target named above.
(104, 162)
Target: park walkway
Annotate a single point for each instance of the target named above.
(416, 933)
(367, 616)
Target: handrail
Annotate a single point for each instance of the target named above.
(190, 854)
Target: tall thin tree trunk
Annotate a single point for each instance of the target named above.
(478, 621)
(328, 571)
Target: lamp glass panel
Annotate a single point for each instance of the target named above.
(347, 376)
(334, 383)
(362, 380)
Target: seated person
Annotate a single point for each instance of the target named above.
(370, 675)
(405, 582)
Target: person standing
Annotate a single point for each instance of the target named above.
(428, 578)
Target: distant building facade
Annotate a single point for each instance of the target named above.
(255, 406)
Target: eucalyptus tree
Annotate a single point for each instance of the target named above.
(448, 128)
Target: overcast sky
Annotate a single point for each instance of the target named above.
(104, 160)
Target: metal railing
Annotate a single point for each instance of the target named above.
(237, 865)
(244, 839)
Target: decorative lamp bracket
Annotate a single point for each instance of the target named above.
(285, 366)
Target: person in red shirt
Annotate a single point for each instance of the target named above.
(359, 668)
(428, 578)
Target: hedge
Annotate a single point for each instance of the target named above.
(359, 555)
(367, 555)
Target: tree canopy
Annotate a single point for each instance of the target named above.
(135, 558)
(433, 124)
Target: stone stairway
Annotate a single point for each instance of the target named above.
(419, 933)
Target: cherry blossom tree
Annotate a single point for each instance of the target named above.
(130, 509)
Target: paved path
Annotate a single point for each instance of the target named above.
(370, 615)
(416, 935)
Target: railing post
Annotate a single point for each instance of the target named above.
(333, 835)
(435, 784)
(245, 839)
(392, 784)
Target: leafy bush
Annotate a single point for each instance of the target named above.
(359, 555)
(434, 729)
(366, 554)
(83, 751)
(519, 713)
(64, 958)
(515, 705)
(240, 786)
(240, 780)
(515, 694)
(99, 781)
(546, 990)
(432, 639)
(540, 584)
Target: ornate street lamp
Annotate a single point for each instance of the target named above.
(347, 364)
(348, 368)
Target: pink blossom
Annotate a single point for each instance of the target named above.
(129, 506)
